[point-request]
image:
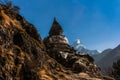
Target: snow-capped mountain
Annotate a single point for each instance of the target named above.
(81, 49)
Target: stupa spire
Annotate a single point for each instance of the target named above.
(55, 19)
(56, 28)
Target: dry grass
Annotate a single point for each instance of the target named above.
(8, 22)
(44, 76)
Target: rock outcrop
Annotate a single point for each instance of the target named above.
(23, 55)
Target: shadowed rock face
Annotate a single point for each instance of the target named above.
(116, 70)
(23, 55)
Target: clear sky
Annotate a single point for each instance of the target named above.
(95, 22)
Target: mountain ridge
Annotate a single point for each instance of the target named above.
(109, 58)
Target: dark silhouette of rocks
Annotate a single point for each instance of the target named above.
(116, 70)
(24, 56)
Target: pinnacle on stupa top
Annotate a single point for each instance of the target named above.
(56, 28)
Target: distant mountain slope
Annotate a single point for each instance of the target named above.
(98, 57)
(110, 56)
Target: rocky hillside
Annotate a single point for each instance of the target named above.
(23, 55)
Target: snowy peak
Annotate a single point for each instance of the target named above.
(77, 44)
(77, 41)
(81, 49)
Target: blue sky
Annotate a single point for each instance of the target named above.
(95, 22)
